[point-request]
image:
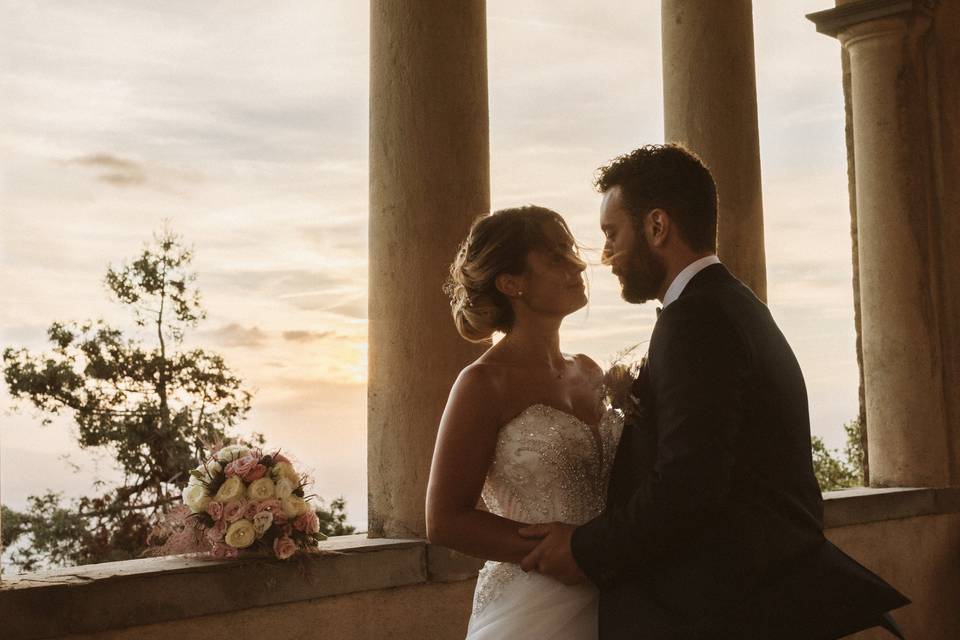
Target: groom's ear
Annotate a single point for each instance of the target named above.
(659, 227)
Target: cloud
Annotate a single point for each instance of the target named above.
(306, 336)
(116, 171)
(235, 335)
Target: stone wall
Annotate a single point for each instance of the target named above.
(368, 589)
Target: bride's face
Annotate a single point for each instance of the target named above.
(553, 282)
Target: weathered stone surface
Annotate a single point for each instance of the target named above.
(858, 506)
(710, 105)
(122, 594)
(446, 565)
(432, 611)
(905, 107)
(919, 556)
(429, 179)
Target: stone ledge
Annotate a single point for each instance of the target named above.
(96, 598)
(863, 505)
(88, 598)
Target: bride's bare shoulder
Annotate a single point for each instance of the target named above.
(482, 377)
(588, 366)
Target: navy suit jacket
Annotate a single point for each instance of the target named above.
(714, 520)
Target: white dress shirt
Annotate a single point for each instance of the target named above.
(684, 277)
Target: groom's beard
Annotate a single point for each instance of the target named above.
(640, 281)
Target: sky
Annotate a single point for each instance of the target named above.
(244, 127)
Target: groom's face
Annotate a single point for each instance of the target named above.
(639, 269)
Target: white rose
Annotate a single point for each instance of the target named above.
(284, 488)
(260, 489)
(213, 468)
(240, 534)
(232, 452)
(195, 496)
(232, 489)
(293, 506)
(285, 470)
(262, 521)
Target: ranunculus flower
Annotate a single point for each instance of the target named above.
(293, 506)
(285, 470)
(230, 452)
(308, 522)
(262, 521)
(240, 534)
(284, 547)
(215, 509)
(260, 489)
(232, 489)
(211, 468)
(234, 510)
(283, 488)
(257, 472)
(195, 496)
(217, 531)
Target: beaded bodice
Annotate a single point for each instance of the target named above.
(548, 466)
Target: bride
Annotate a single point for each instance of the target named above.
(524, 427)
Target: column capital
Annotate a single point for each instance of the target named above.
(833, 22)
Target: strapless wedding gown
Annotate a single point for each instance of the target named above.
(548, 467)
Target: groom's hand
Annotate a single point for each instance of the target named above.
(553, 556)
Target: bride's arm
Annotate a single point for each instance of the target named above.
(461, 458)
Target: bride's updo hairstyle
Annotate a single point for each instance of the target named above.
(497, 243)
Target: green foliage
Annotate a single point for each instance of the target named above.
(142, 398)
(835, 472)
(333, 521)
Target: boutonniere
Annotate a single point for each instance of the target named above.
(624, 382)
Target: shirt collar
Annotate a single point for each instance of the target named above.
(684, 277)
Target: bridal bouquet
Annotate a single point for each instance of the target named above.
(240, 498)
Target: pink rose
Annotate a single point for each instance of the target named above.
(253, 508)
(242, 466)
(308, 522)
(231, 469)
(216, 532)
(284, 547)
(272, 505)
(215, 510)
(257, 472)
(234, 510)
(224, 551)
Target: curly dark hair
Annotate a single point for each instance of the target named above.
(668, 177)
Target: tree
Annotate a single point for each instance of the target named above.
(333, 522)
(835, 472)
(151, 404)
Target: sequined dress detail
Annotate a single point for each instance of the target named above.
(548, 466)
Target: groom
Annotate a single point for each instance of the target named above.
(714, 521)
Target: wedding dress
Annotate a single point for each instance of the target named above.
(548, 466)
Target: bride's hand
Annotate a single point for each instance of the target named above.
(553, 556)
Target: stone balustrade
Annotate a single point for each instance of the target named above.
(382, 588)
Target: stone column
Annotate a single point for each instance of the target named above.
(909, 436)
(429, 178)
(710, 106)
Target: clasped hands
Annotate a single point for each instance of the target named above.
(553, 556)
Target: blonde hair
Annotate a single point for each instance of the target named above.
(498, 243)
